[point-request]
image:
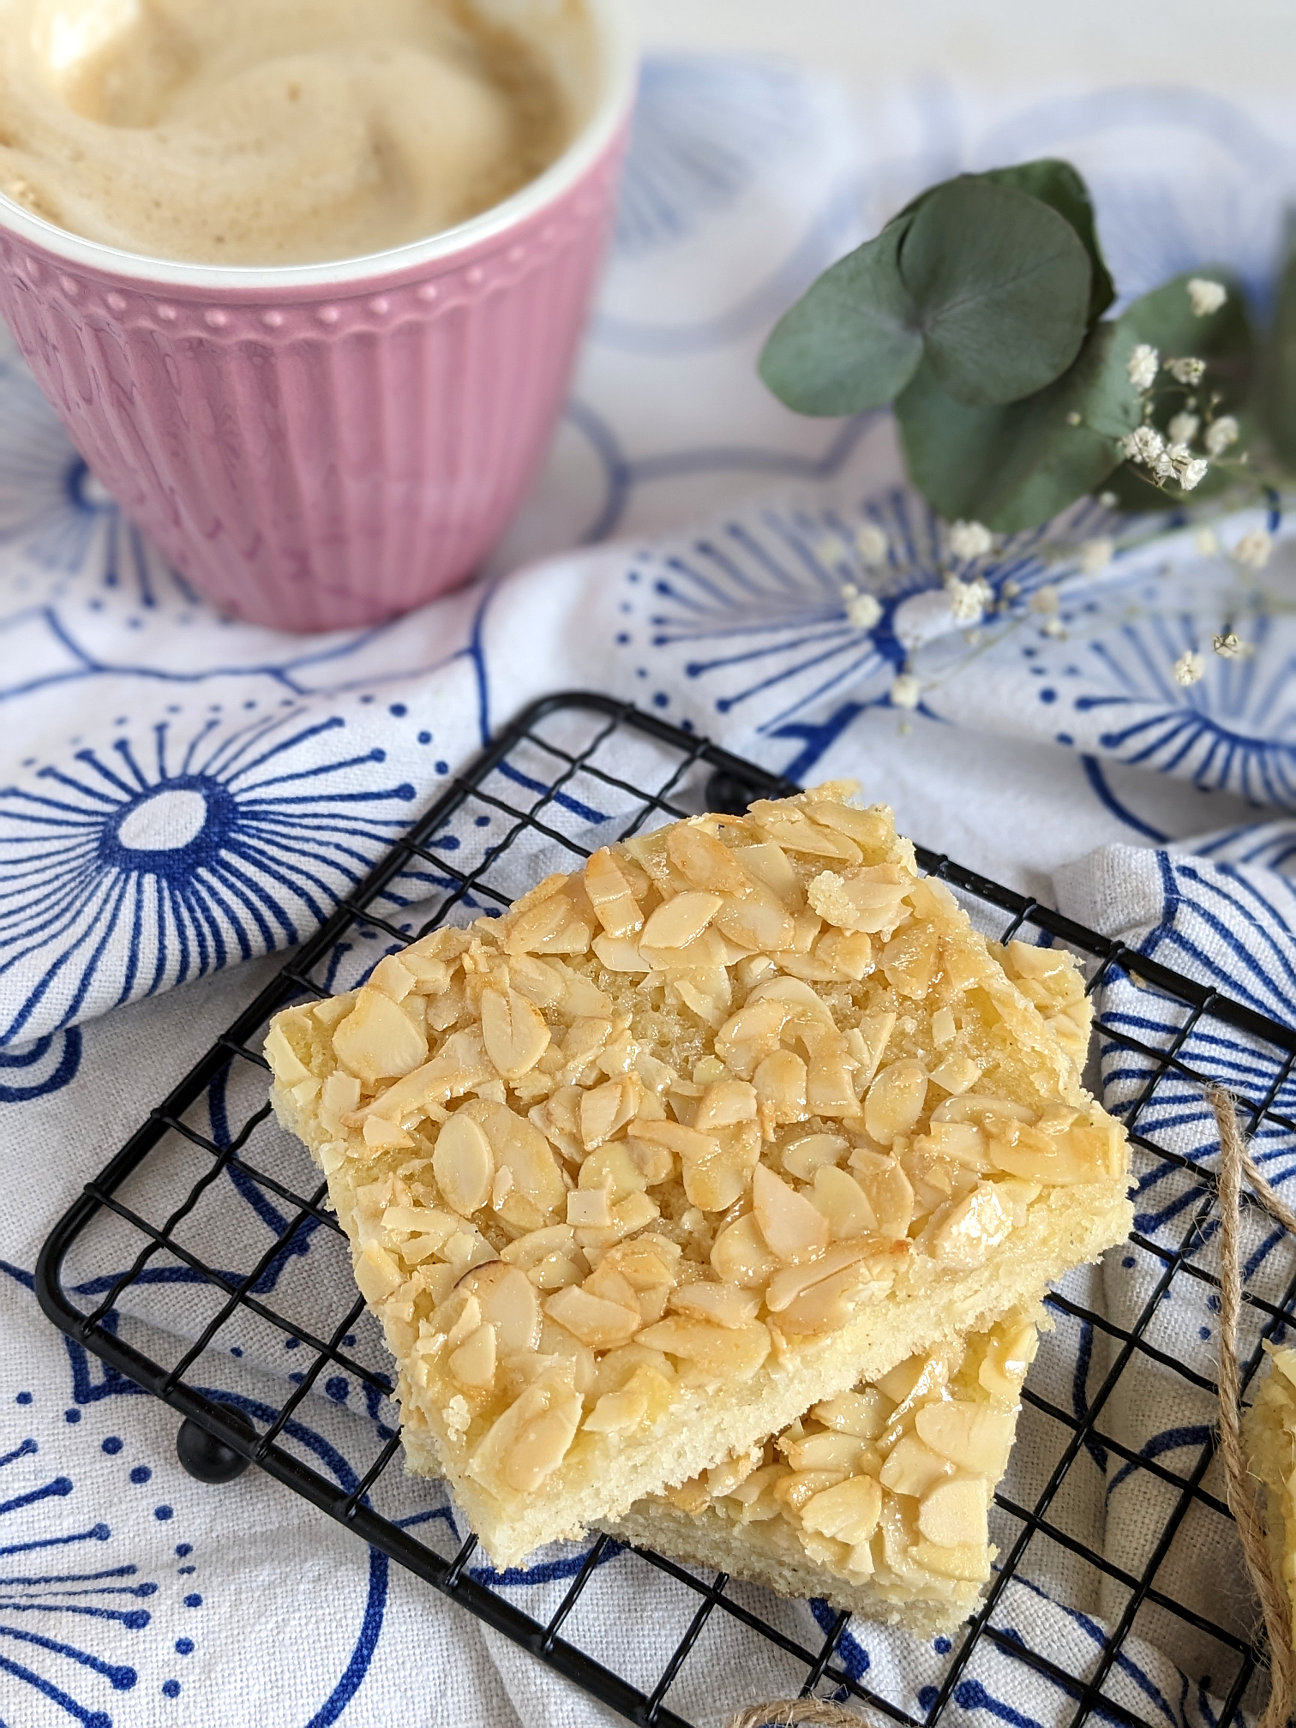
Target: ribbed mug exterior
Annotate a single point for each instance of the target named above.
(323, 457)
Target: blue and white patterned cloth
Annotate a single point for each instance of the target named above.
(180, 796)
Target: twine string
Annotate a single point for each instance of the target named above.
(1236, 1166)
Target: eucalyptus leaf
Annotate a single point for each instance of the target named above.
(1014, 466)
(850, 342)
(1000, 284)
(1057, 184)
(1278, 400)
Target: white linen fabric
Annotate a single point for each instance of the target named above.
(180, 796)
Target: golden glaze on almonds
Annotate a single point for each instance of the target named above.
(703, 1100)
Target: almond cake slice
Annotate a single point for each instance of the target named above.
(876, 1500)
(742, 1113)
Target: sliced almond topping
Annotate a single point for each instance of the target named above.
(378, 1040)
(612, 1169)
(895, 1100)
(861, 1413)
(728, 1353)
(1010, 1352)
(795, 1489)
(620, 954)
(589, 1207)
(601, 1324)
(791, 829)
(703, 860)
(552, 926)
(983, 1110)
(721, 1303)
(972, 1228)
(913, 1468)
(769, 864)
(604, 1110)
(529, 1441)
(793, 1227)
(822, 1452)
(867, 899)
(849, 1512)
(849, 954)
(780, 1084)
(760, 922)
(725, 1102)
(740, 1256)
(381, 1134)
(463, 1164)
(1084, 1153)
(680, 920)
(473, 1363)
(392, 977)
(618, 1412)
(909, 960)
(844, 1204)
(975, 1437)
(514, 1032)
(611, 895)
(753, 1033)
(953, 1514)
(956, 1073)
(538, 1191)
(888, 1191)
(812, 1152)
(508, 1301)
(962, 1142)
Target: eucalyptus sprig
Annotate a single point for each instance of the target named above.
(978, 313)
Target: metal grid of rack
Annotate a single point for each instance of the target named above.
(153, 1271)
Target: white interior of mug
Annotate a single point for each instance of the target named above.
(587, 47)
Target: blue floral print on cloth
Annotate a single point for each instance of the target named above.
(182, 796)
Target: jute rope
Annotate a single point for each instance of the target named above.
(1236, 1163)
(1236, 1166)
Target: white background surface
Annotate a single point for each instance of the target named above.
(1001, 44)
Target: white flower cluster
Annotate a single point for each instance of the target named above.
(1253, 549)
(1205, 296)
(1187, 370)
(969, 601)
(906, 691)
(872, 544)
(1221, 434)
(1189, 668)
(862, 610)
(1174, 463)
(1143, 365)
(969, 540)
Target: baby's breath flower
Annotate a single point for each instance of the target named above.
(1206, 540)
(1220, 434)
(969, 600)
(872, 544)
(1095, 555)
(1189, 470)
(1054, 627)
(1045, 599)
(1189, 668)
(1075, 418)
(1230, 646)
(1010, 589)
(1142, 366)
(827, 550)
(1253, 549)
(1108, 500)
(1186, 370)
(862, 610)
(968, 540)
(1183, 429)
(1206, 296)
(1145, 445)
(906, 691)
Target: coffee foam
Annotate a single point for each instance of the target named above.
(274, 132)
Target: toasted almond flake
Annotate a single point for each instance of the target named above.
(895, 1100)
(378, 1040)
(380, 1134)
(780, 1083)
(729, 1353)
(589, 1207)
(392, 977)
(618, 1412)
(463, 1164)
(473, 1363)
(974, 1437)
(953, 1514)
(793, 1227)
(956, 1073)
(791, 829)
(620, 954)
(513, 1030)
(740, 1255)
(844, 1204)
(944, 1026)
(552, 926)
(792, 1282)
(972, 1228)
(601, 1324)
(909, 960)
(860, 1413)
(680, 920)
(821, 1451)
(725, 1102)
(703, 860)
(913, 1468)
(721, 1303)
(888, 1190)
(529, 1441)
(611, 895)
(606, 1109)
(518, 1146)
(848, 1512)
(759, 922)
(804, 1157)
(507, 1300)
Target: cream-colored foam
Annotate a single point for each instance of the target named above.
(278, 131)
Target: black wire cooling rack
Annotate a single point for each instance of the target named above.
(570, 773)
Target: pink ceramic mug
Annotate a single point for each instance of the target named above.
(332, 444)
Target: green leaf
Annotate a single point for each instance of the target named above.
(1278, 372)
(1001, 284)
(849, 343)
(1059, 186)
(1015, 466)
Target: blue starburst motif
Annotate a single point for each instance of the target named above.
(1234, 731)
(62, 530)
(757, 611)
(703, 129)
(70, 1610)
(142, 865)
